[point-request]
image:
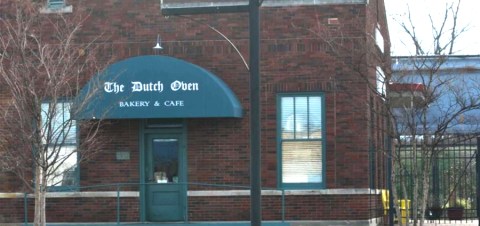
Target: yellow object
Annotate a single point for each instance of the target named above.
(385, 201)
(404, 208)
(404, 205)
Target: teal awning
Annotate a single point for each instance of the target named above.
(155, 87)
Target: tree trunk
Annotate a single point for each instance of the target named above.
(426, 188)
(405, 197)
(40, 197)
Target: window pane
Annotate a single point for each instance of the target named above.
(70, 127)
(288, 118)
(301, 117)
(315, 117)
(44, 114)
(59, 133)
(381, 87)
(71, 132)
(56, 124)
(301, 140)
(302, 162)
(56, 3)
(65, 167)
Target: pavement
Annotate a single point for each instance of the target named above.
(451, 223)
(158, 224)
(427, 223)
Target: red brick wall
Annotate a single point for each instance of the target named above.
(221, 160)
(300, 52)
(11, 210)
(72, 210)
(321, 207)
(376, 18)
(295, 58)
(103, 168)
(332, 207)
(91, 210)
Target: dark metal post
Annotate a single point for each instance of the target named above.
(118, 204)
(25, 208)
(389, 182)
(255, 154)
(436, 183)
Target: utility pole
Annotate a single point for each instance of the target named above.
(253, 9)
(255, 153)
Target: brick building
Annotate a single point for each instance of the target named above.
(321, 141)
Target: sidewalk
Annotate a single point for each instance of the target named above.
(452, 223)
(156, 224)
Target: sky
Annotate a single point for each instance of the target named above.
(468, 42)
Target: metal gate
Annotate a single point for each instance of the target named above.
(452, 170)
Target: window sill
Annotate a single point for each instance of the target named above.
(66, 9)
(267, 192)
(202, 193)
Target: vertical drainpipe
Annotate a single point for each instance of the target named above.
(255, 153)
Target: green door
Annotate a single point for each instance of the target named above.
(165, 192)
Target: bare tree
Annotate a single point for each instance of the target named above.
(433, 103)
(43, 66)
(437, 108)
(444, 31)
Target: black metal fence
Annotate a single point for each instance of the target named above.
(450, 162)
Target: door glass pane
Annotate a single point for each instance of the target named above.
(165, 160)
